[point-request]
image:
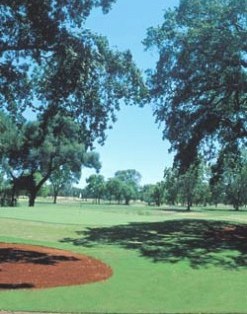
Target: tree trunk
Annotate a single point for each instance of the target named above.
(32, 197)
(55, 198)
(236, 207)
(188, 205)
(13, 200)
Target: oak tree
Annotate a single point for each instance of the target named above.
(199, 85)
(52, 64)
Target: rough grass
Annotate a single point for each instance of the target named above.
(163, 261)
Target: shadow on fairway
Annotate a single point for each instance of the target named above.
(12, 255)
(8, 286)
(200, 242)
(200, 210)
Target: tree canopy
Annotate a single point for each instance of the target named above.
(96, 186)
(35, 152)
(130, 183)
(51, 64)
(199, 85)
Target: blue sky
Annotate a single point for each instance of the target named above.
(135, 142)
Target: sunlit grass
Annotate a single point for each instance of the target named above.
(163, 260)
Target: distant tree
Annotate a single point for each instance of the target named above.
(130, 176)
(129, 192)
(96, 186)
(63, 176)
(76, 192)
(45, 190)
(158, 193)
(187, 185)
(131, 183)
(60, 178)
(202, 193)
(192, 186)
(235, 180)
(199, 84)
(147, 193)
(114, 190)
(216, 183)
(69, 190)
(171, 185)
(217, 191)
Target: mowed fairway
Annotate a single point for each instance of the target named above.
(162, 261)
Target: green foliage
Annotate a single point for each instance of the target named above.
(6, 197)
(171, 185)
(129, 192)
(189, 187)
(147, 193)
(114, 189)
(64, 176)
(228, 183)
(50, 63)
(202, 193)
(96, 187)
(130, 176)
(43, 149)
(199, 84)
(44, 191)
(125, 185)
(10, 137)
(217, 193)
(130, 183)
(199, 177)
(158, 193)
(235, 180)
(199, 185)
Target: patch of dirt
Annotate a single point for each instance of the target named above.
(33, 267)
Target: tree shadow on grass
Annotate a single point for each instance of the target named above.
(7, 286)
(12, 255)
(202, 243)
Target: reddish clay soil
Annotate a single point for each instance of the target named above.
(32, 267)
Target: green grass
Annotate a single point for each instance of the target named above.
(162, 261)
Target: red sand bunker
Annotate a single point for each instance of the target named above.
(28, 266)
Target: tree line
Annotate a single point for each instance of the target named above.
(202, 185)
(198, 186)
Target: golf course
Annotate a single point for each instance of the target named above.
(162, 260)
(123, 157)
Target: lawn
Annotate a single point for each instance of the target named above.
(162, 260)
